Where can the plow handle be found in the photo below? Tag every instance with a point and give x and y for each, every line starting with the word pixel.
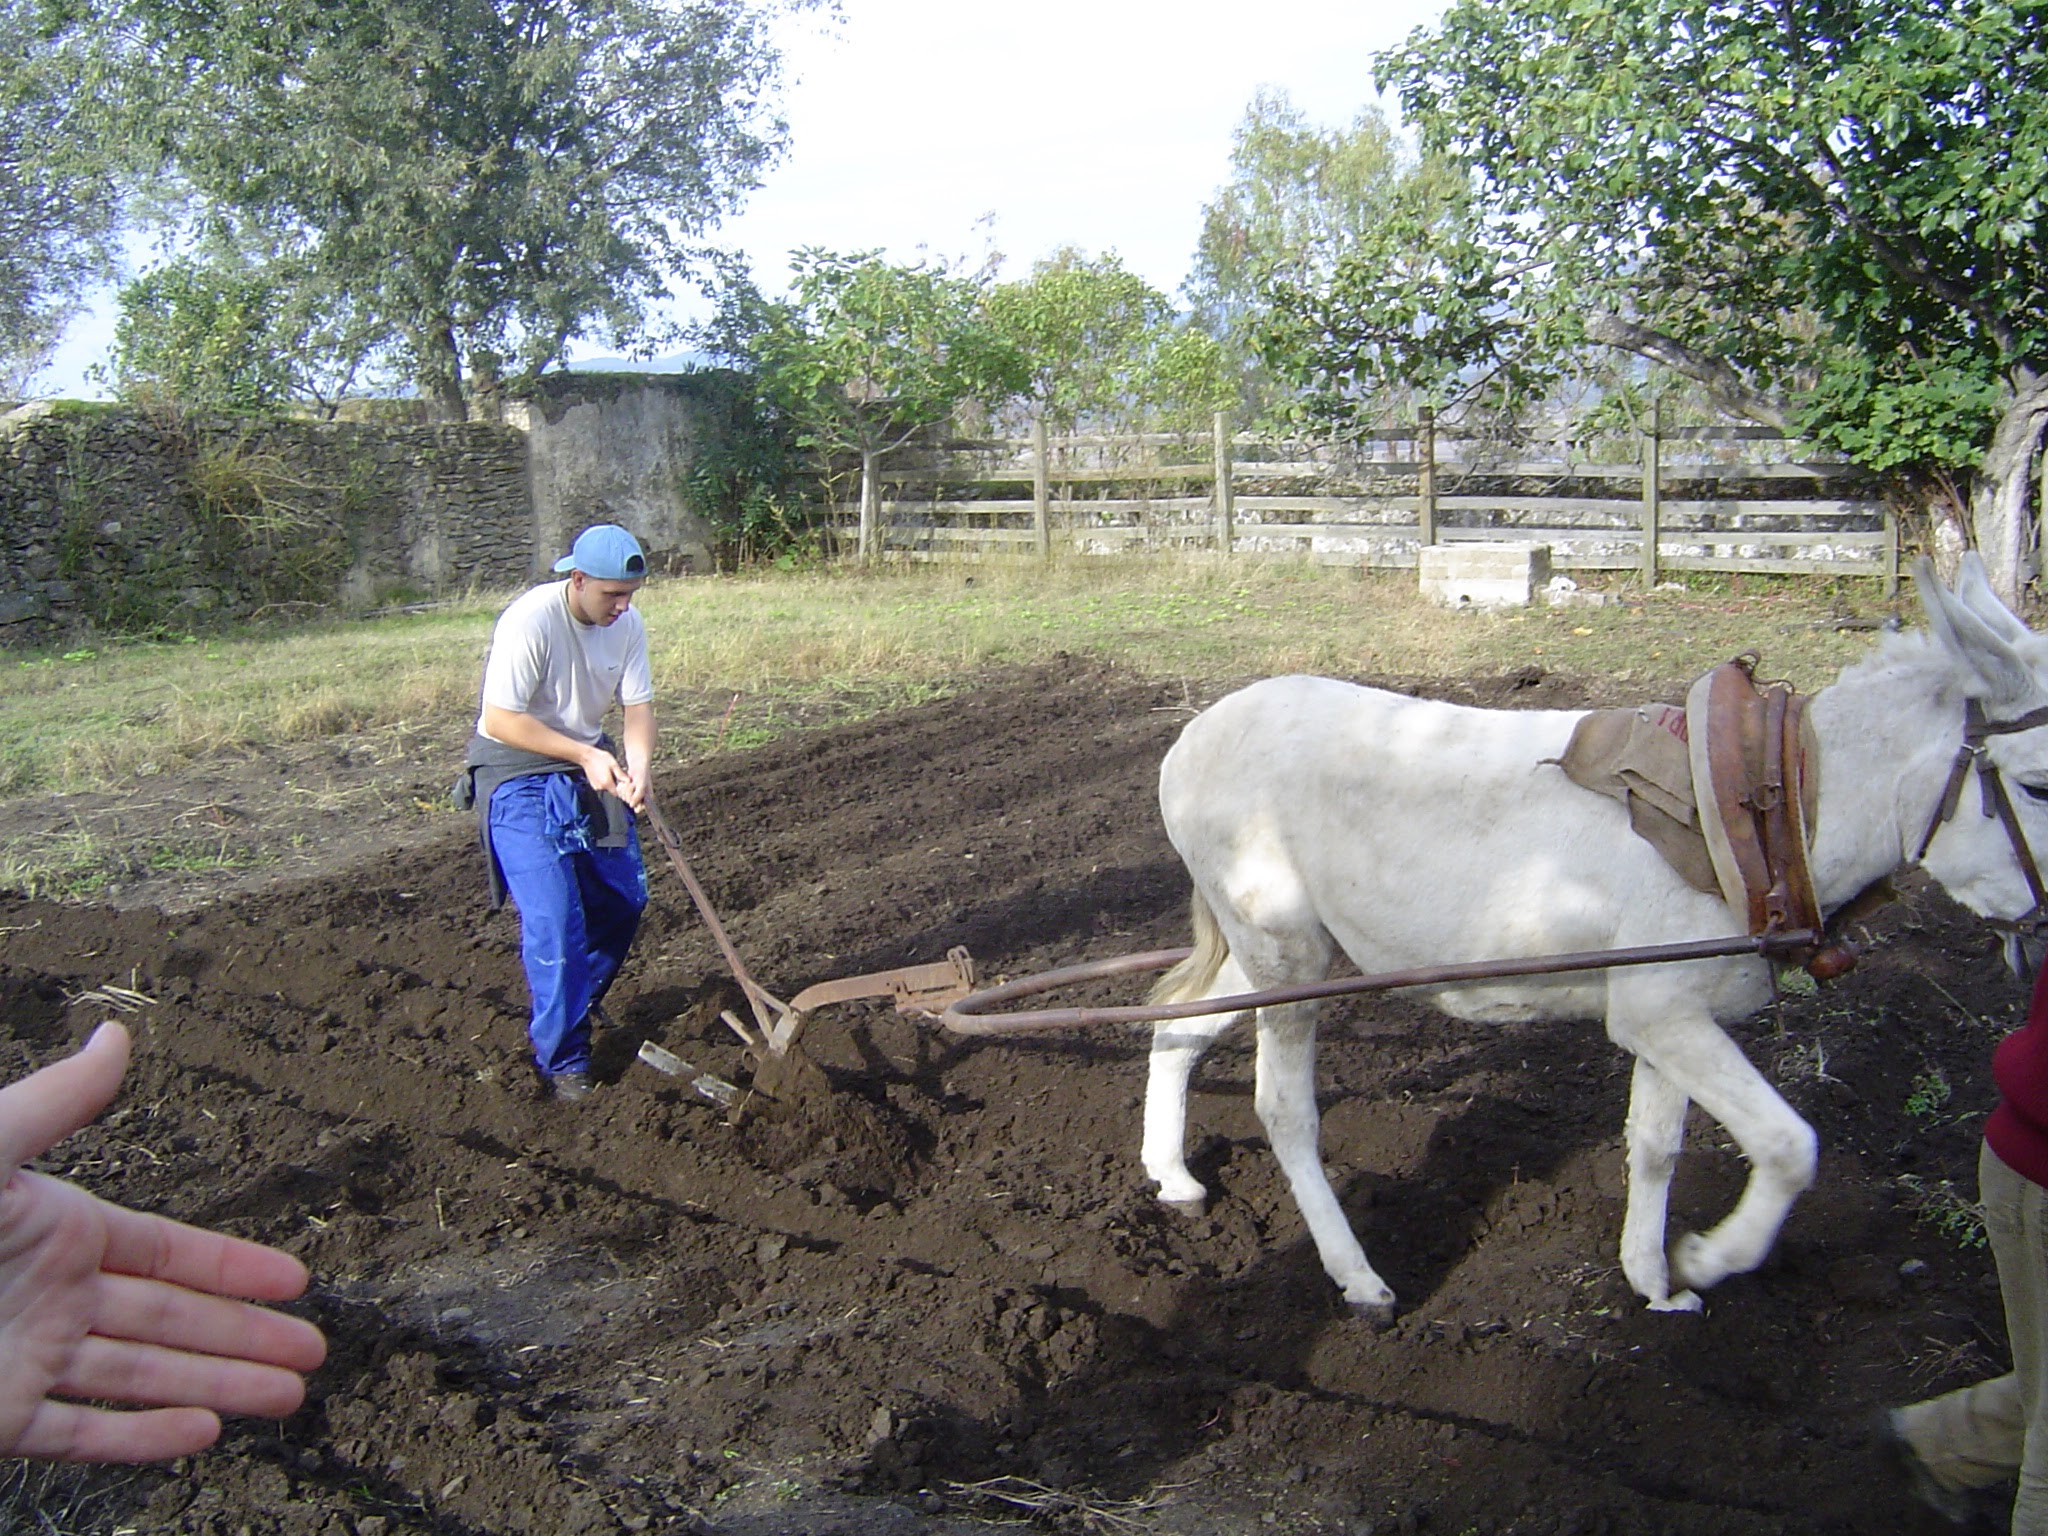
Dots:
pixel 767 1007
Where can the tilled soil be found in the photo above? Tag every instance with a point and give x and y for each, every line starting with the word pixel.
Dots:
pixel 941 1294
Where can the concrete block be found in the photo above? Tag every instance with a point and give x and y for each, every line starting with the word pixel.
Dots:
pixel 1484 575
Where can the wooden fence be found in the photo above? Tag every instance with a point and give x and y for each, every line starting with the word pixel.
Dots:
pixel 1681 499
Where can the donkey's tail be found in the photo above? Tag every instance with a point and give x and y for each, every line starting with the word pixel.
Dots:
pixel 1193 977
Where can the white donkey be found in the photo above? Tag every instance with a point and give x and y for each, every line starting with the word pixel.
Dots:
pixel 1315 816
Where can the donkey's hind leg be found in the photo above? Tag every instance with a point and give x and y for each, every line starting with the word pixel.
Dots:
pixel 1177 1044
pixel 1286 1103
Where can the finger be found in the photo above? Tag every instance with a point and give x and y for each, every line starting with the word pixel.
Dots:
pixel 157 1248
pixel 72 1432
pixel 43 1108
pixel 122 1371
pixel 152 1312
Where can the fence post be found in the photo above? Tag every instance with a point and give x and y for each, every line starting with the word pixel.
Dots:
pixel 1041 491
pixel 871 534
pixel 1226 501
pixel 1891 552
pixel 1653 488
pixel 1425 512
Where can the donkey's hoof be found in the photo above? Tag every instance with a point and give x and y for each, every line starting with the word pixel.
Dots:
pixel 1377 1315
pixel 1194 1205
pixel 1679 1301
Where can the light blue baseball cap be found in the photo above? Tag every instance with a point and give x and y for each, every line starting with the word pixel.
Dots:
pixel 606 552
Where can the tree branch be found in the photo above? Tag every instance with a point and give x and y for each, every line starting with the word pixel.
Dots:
pixel 1727 387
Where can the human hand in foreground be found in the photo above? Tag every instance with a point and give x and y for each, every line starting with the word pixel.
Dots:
pixel 101 1302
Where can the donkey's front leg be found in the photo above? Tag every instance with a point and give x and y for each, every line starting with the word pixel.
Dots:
pixel 1699 1060
pixel 1783 1154
pixel 1654 1133
pixel 1286 1104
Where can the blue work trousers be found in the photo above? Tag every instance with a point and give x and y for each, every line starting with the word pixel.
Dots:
pixel 579 907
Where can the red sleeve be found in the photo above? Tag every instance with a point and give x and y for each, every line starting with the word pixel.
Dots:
pixel 2018 1127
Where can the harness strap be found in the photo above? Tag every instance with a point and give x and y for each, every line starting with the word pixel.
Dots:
pixel 1751 780
pixel 1973 754
pixel 1952 793
pixel 2001 803
pixel 1791 901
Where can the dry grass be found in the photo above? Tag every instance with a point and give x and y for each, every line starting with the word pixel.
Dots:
pixel 98 717
pixel 1204 618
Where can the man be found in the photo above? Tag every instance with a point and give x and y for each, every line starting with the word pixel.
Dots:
pixel 555 801
pixel 1993 1431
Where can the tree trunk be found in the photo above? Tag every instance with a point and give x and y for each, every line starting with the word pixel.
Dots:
pixel 440 372
pixel 2001 501
pixel 870 499
pixel 1949 535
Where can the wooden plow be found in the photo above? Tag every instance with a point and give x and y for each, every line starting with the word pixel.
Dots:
pixel 771 1039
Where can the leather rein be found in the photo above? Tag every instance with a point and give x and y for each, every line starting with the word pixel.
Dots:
pixel 1974 753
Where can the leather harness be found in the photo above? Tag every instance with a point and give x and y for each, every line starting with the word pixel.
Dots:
pixel 1755 769
pixel 1755 782
pixel 1974 753
pixel 1754 791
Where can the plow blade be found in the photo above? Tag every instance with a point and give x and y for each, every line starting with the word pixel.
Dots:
pixel 916 988
pixel 712 1087
pixel 924 989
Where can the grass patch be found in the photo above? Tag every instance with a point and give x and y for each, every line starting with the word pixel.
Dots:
pixel 1201 618
pixel 76 865
pixel 122 710
pixel 198 859
pixel 68 866
pixel 1940 1205
pixel 839 644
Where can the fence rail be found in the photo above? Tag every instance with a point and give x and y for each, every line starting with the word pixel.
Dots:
pixel 1691 499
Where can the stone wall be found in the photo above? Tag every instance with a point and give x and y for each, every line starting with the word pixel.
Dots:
pixel 119 519
pixel 136 521
pixel 617 448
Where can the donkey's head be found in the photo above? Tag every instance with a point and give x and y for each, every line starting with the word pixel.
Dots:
pixel 1991 831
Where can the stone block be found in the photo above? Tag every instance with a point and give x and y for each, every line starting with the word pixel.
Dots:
pixel 1484 575
pixel 21 607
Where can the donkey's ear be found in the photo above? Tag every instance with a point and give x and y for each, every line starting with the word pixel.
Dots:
pixel 1988 653
pixel 1973 587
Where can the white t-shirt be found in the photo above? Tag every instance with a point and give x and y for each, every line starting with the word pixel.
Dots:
pixel 564 673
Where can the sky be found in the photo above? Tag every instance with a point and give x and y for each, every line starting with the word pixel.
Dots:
pixel 945 128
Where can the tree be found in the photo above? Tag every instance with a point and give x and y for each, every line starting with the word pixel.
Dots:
pixel 863 354
pixel 1812 209
pixel 59 205
pixel 1104 346
pixel 1299 196
pixel 1185 382
pixel 226 335
pixel 1081 325
pixel 1419 301
pixel 467 175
